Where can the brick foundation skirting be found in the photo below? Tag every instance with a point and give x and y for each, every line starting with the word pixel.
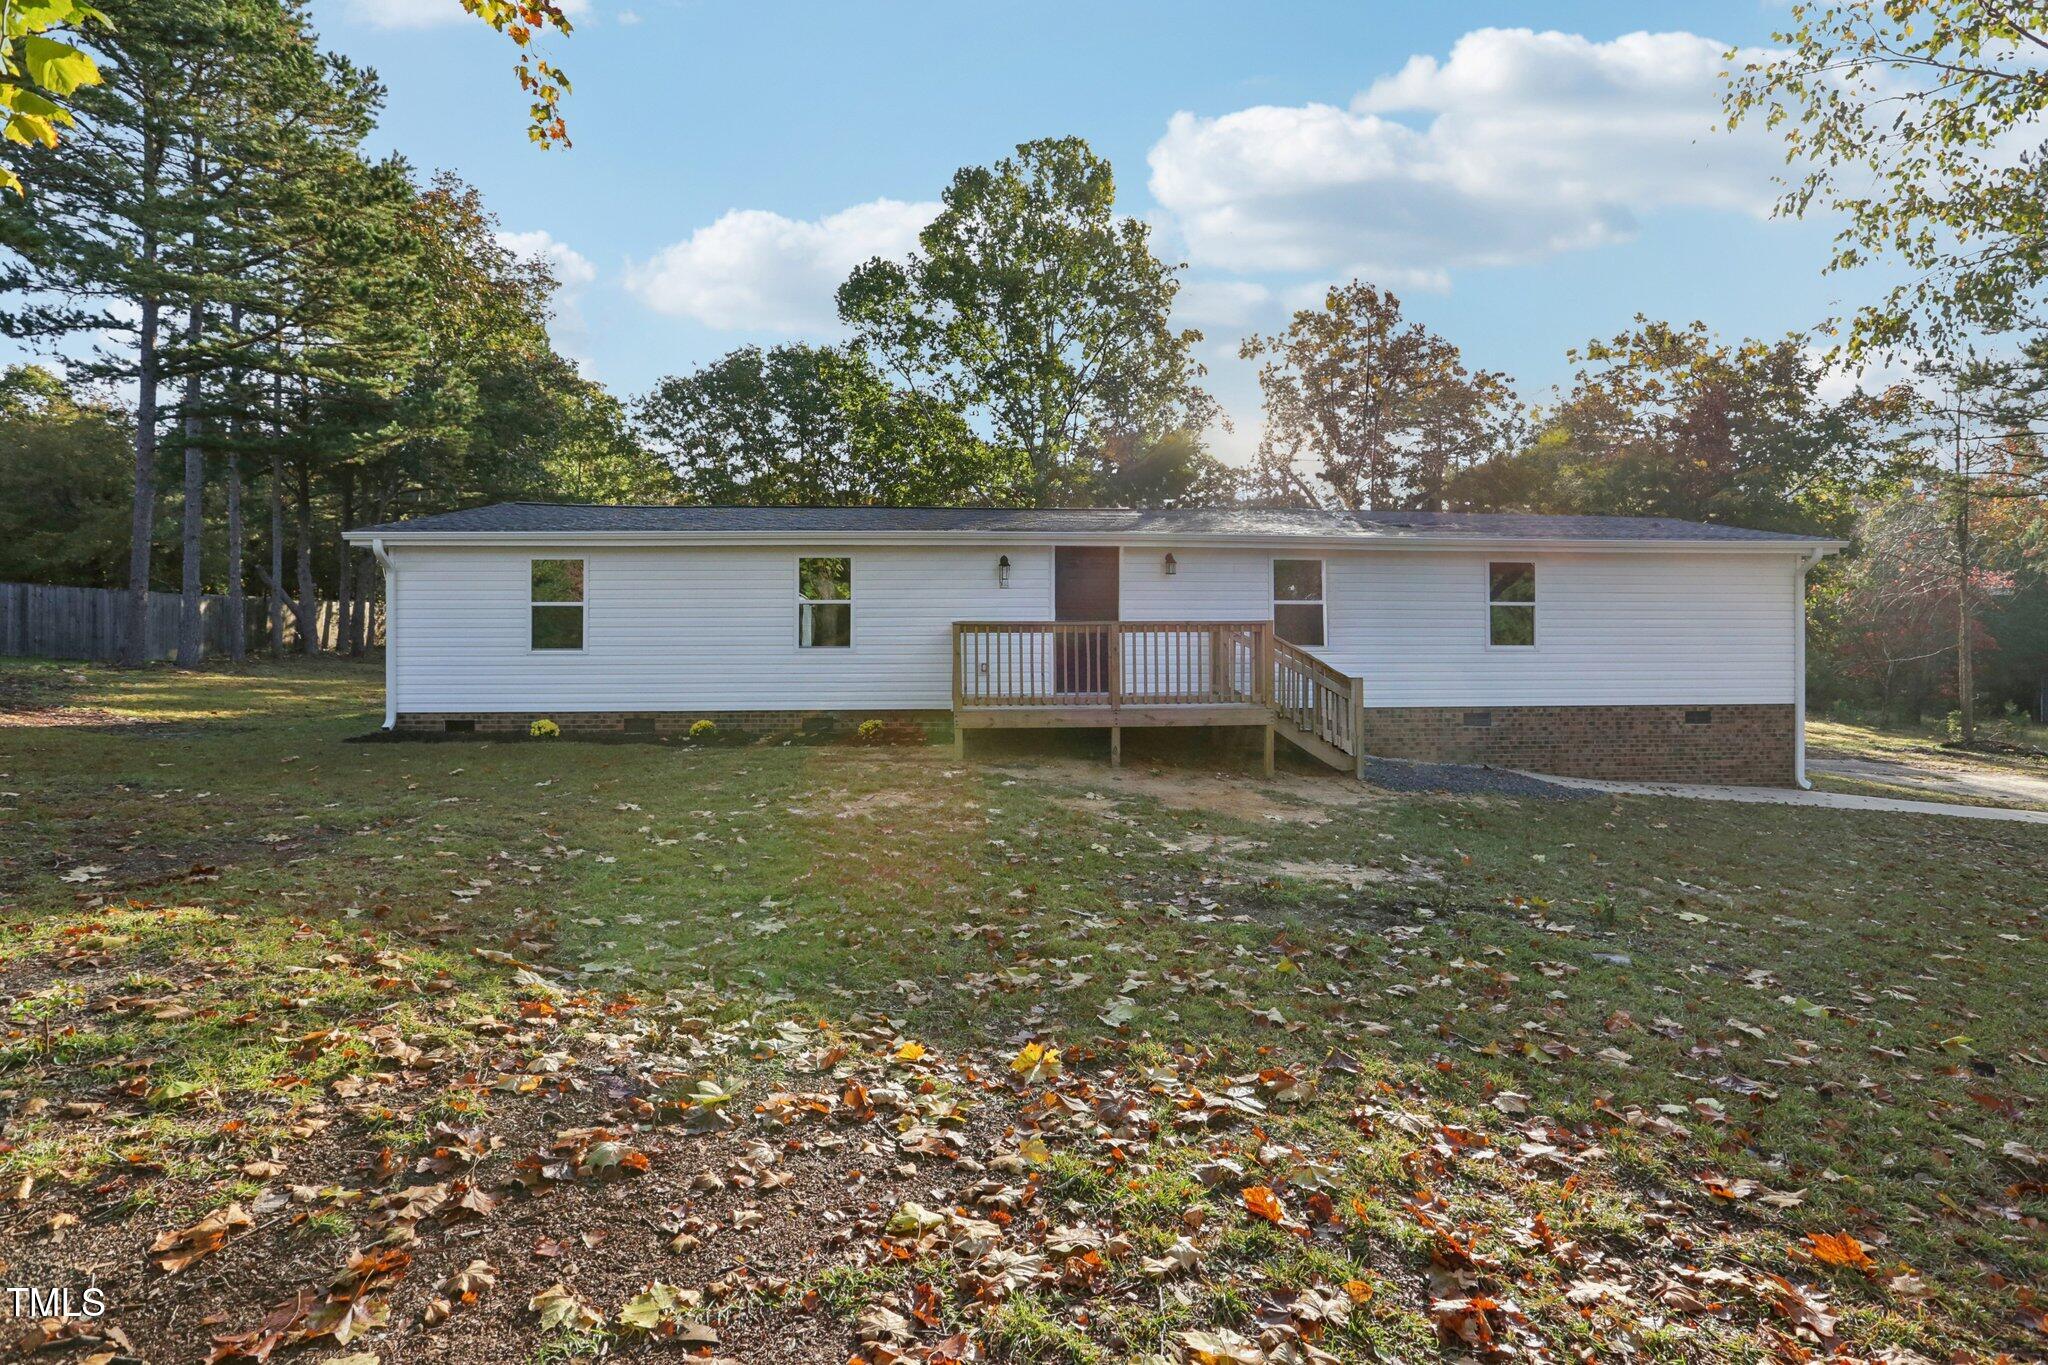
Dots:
pixel 897 725
pixel 1744 745
pixel 1748 746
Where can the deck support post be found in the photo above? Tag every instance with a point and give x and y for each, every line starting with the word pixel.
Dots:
pixel 959 740
pixel 1358 728
pixel 1116 746
pixel 1268 760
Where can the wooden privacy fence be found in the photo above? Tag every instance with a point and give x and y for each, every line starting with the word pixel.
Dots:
pixel 41 621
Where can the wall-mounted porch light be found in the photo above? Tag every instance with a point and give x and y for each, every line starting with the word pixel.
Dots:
pixel 1003 572
pixel 1172 565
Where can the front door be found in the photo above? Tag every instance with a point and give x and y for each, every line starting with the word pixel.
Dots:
pixel 1085 587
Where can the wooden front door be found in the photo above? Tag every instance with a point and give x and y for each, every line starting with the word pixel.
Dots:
pixel 1085 587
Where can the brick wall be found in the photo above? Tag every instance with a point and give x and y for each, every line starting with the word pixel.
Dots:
pixel 898 725
pixel 1743 745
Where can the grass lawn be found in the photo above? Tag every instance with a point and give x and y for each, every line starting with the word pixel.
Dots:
pixel 1983 776
pixel 544 1051
pixel 1848 739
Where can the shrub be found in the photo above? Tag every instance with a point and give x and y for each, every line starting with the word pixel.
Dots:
pixel 870 731
pixel 703 728
pixel 544 729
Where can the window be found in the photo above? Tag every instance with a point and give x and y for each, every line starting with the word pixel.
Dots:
pixel 824 603
pixel 557 604
pixel 1511 605
pixel 1298 601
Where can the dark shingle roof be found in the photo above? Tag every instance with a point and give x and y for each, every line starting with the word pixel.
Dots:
pixel 538 518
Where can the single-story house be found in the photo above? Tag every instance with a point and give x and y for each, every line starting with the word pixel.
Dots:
pixel 1597 646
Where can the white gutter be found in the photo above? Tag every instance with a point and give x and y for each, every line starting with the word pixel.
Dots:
pixel 1800 569
pixel 1127 538
pixel 390 632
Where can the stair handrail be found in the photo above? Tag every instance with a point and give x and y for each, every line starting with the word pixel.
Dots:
pixel 1318 699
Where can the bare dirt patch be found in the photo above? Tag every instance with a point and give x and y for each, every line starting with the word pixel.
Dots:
pixel 1356 877
pixel 1284 799
pixel 876 802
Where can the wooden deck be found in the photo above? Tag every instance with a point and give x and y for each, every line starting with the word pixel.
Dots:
pixel 1117 674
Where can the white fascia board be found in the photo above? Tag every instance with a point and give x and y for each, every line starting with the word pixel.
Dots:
pixel 1272 544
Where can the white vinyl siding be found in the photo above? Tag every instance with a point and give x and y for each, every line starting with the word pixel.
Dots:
pixel 1656 628
pixel 709 628
pixel 693 629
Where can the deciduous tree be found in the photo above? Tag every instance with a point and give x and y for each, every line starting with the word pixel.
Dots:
pixel 1032 308
pixel 1918 125
pixel 816 425
pixel 1380 411
pixel 1667 421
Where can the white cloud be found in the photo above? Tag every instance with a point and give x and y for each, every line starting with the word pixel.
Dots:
pixel 1839 378
pixel 574 273
pixel 1517 146
pixel 429 13
pixel 753 270
pixel 572 268
pixel 1221 303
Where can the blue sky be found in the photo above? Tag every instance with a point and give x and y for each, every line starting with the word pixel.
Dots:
pixel 1526 176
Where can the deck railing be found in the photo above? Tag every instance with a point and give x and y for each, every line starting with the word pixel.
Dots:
pixel 1318 699
pixel 1116 664
pixel 1112 663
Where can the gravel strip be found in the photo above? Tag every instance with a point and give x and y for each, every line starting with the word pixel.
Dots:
pixel 1464 780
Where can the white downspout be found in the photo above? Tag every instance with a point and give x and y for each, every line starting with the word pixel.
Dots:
pixel 390 633
pixel 1804 565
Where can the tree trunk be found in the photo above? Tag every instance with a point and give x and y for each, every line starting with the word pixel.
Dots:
pixel 366 587
pixel 276 554
pixel 309 595
pixel 191 636
pixel 238 605
pixel 344 595
pixel 1966 663
pixel 142 518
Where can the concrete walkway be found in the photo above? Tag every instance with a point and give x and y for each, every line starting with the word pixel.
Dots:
pixel 1788 796
pixel 1998 784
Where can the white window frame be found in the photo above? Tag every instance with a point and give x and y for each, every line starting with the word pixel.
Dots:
pixel 1323 601
pixel 532 602
pixel 1534 606
pixel 852 615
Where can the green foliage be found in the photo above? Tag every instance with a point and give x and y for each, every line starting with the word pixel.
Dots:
pixel 1172 469
pixel 38 72
pixel 814 425
pixel 544 82
pixel 1916 124
pixel 64 472
pixel 359 340
pixel 1667 421
pixel 1036 312
pixel 1383 410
